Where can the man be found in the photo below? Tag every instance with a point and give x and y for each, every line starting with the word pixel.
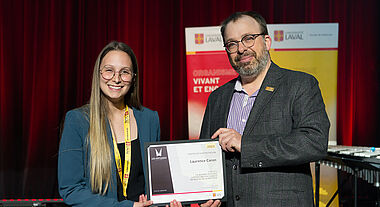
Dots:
pixel 271 122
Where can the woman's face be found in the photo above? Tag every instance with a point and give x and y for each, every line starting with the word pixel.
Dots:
pixel 116 75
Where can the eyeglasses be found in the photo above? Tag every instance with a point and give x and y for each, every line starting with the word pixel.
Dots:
pixel 124 74
pixel 247 41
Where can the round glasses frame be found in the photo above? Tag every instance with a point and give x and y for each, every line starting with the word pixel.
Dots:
pixel 109 74
pixel 247 40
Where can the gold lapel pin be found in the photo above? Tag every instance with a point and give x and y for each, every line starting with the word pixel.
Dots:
pixel 268 88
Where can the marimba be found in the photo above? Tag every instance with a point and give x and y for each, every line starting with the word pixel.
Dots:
pixel 360 162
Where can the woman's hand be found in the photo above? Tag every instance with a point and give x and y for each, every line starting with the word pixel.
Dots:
pixel 143 201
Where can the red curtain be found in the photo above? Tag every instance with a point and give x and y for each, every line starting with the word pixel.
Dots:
pixel 48 49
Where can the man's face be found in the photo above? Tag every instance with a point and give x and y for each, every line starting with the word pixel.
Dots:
pixel 247 61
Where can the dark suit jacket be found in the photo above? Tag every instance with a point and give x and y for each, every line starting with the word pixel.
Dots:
pixel 287 129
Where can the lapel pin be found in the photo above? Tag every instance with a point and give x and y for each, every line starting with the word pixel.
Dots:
pixel 268 88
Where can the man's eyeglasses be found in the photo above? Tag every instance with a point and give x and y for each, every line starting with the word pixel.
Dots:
pixel 124 74
pixel 247 41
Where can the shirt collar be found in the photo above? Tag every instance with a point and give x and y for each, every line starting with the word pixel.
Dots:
pixel 239 87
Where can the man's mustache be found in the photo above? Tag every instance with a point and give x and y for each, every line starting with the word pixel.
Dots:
pixel 250 53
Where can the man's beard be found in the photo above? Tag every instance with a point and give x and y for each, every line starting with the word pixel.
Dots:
pixel 254 68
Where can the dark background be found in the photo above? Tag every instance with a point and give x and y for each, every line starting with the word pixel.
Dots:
pixel 48 49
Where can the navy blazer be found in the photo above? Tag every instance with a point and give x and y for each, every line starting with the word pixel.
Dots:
pixel 287 129
pixel 73 158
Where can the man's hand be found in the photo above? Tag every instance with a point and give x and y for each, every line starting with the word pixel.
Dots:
pixel 174 203
pixel 209 203
pixel 212 203
pixel 143 201
pixel 229 139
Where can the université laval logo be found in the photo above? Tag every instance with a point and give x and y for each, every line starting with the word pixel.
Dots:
pixel 279 35
pixel 199 38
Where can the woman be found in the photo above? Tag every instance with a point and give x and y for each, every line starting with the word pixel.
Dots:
pixel 101 148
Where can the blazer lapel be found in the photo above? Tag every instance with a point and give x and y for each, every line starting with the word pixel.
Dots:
pixel 141 131
pixel 267 90
pixel 137 114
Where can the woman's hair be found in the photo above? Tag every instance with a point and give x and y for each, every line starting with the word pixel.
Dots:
pixel 100 156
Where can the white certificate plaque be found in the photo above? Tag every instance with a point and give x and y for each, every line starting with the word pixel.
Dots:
pixel 189 171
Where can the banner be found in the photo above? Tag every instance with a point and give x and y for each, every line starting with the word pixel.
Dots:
pixel 312 48
pixel 207 69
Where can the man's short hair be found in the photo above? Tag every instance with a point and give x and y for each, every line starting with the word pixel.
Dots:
pixel 237 15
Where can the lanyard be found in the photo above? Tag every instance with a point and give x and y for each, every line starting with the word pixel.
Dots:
pixel 127 162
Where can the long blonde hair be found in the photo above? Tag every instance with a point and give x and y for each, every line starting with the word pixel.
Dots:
pixel 100 148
